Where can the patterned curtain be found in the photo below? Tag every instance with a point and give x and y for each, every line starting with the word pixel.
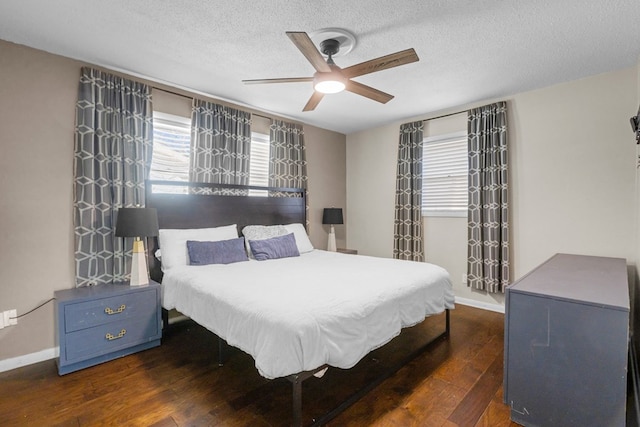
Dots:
pixel 220 145
pixel 113 148
pixel 408 217
pixel 287 159
pixel 488 257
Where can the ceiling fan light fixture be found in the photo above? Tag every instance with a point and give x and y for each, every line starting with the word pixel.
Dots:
pixel 328 82
pixel 329 78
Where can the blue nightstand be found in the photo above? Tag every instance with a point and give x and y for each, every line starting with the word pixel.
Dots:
pixel 100 323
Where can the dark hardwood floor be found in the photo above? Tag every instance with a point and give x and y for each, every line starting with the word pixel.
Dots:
pixel 456 382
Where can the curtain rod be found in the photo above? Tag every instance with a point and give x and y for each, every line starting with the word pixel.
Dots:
pixel 191 97
pixel 270 118
pixel 446 115
pixel 171 92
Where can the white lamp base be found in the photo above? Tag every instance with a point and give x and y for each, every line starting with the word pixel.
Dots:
pixel 331 244
pixel 139 274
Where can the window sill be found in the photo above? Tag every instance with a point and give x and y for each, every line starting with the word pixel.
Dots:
pixel 445 214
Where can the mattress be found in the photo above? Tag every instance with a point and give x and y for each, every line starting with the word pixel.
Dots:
pixel 298 314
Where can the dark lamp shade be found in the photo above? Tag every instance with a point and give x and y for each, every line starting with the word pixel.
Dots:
pixel 137 222
pixel 332 216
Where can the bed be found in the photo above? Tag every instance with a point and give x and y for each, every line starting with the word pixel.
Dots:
pixel 295 315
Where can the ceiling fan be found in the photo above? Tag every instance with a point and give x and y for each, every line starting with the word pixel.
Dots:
pixel 329 78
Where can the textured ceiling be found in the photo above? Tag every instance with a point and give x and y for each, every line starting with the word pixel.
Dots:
pixel 469 50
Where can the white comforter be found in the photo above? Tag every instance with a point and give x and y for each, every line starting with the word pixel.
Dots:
pixel 297 314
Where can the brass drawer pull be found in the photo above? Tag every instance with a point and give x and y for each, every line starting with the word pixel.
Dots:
pixel 110 311
pixel 115 337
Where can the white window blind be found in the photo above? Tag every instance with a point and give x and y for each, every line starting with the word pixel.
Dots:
pixel 259 163
pixel 445 170
pixel 171 146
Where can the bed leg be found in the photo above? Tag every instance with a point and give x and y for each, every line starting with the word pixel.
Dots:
pixel 448 324
pixel 221 344
pixel 297 400
pixel 165 319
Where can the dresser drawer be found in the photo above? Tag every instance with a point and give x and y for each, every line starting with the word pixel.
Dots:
pixel 108 338
pixel 102 311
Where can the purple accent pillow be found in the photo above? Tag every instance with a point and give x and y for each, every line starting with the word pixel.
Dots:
pixel 274 248
pixel 220 252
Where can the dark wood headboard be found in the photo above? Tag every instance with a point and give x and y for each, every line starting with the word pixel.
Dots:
pixel 189 210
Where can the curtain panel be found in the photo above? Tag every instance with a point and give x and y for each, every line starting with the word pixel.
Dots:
pixel 408 216
pixel 220 145
pixel 287 156
pixel 488 265
pixel 112 157
pixel 287 160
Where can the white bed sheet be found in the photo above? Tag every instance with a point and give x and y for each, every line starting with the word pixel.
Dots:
pixel 297 314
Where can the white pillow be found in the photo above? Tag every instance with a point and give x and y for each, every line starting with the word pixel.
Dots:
pixel 302 239
pixel 173 242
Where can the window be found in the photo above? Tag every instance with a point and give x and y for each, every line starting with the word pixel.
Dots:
pixel 445 170
pixel 171 146
pixel 259 163
pixel 171 149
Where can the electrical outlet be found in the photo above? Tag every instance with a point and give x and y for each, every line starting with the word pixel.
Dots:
pixel 13 317
pixel 9 318
pixel 5 317
pixel 464 278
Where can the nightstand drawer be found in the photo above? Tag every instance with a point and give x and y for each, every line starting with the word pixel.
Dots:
pixel 107 310
pixel 103 339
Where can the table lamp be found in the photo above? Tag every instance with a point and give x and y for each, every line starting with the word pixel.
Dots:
pixel 137 222
pixel 332 216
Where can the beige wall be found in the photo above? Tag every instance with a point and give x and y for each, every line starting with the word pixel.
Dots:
pixel 327 172
pixel 37 115
pixel 575 182
pixel 572 160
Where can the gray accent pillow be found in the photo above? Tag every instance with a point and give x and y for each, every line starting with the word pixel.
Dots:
pixel 261 232
pixel 274 248
pixel 220 252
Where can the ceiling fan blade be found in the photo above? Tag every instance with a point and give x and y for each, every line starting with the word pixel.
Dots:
pixel 309 50
pixel 313 101
pixel 384 62
pixel 283 80
pixel 368 92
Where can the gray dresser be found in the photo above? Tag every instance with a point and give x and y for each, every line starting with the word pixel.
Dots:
pixel 566 342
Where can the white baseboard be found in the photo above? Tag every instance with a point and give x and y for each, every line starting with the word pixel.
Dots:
pixel 498 308
pixel 29 359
